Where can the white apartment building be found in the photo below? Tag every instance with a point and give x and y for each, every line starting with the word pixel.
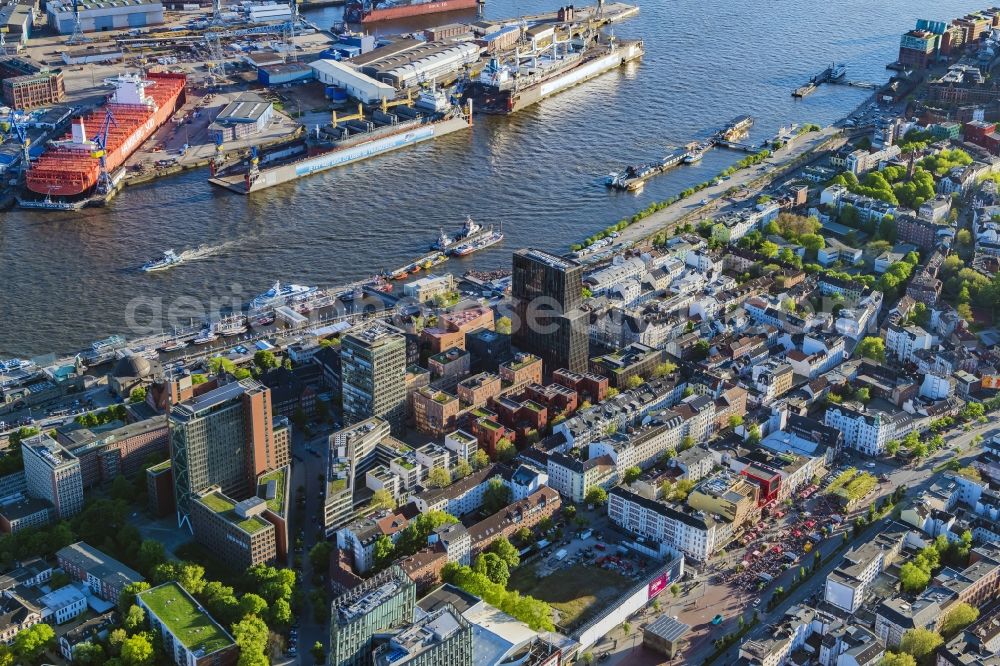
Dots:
pixel 678 529
pixel 902 342
pixel 867 430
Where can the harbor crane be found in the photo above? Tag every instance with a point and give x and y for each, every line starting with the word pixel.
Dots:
pixel 406 101
pixel 360 115
pixel 15 124
pixel 100 152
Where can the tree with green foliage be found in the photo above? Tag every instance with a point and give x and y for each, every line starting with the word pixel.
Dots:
pixel 735 421
pixel 635 381
pixel 912 578
pixel 265 360
pixel 505 550
pixel 318 653
pixel 192 577
pixel 151 553
pixel 137 395
pixel 89 653
pixel 252 604
pixel 127 597
pixel 319 556
pixel 251 637
pixel 897 659
pixel 664 369
pixel 382 500
pixel 675 590
pixel 281 613
pixel 958 618
pixel 872 348
pixel 385 551
pixel 30 643
pixel 414 537
pixel 137 650
pixel 632 473
pixel 134 619
pixel 536 614
pixel 596 496
pixel 461 470
pixel 438 477
pixel 496 496
pixel 479 460
pixel 490 565
pixel 920 644
pixel 503 325
pixel 505 450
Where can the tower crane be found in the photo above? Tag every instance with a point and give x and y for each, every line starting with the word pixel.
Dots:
pixel 100 152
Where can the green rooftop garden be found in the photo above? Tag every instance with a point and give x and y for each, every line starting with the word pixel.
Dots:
pixel 442 397
pixel 225 507
pixel 277 504
pixel 336 485
pixel 404 463
pixel 160 467
pixel 533 406
pixel 181 615
pixel 528 360
pixel 489 425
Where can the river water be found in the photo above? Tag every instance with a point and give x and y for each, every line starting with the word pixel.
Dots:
pixel 68 279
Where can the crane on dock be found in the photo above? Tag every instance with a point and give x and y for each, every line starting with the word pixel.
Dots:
pixel 386 105
pixel 360 115
pixel 100 153
pixel 15 124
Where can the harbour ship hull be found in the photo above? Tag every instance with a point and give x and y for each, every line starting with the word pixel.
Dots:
pixel 69 170
pixel 501 102
pixel 342 155
pixel 357 13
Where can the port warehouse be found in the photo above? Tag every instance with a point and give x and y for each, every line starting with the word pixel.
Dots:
pixel 18 18
pixel 245 115
pixel 101 15
pixel 26 86
pixel 363 88
pixel 376 75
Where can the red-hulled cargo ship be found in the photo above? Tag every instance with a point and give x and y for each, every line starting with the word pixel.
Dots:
pixel 139 105
pixel 370 11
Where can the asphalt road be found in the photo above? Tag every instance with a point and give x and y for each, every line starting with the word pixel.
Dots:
pixel 305 472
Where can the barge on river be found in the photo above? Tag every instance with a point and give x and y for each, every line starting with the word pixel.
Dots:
pixel 347 140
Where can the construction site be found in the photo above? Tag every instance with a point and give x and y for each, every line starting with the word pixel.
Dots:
pixel 255 75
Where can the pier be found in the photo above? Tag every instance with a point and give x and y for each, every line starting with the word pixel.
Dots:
pixel 633 178
pixel 832 74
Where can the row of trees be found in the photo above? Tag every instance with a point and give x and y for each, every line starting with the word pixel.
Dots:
pixel 533 612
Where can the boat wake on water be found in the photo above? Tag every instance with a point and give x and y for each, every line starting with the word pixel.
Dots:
pixel 203 251
pixel 171 258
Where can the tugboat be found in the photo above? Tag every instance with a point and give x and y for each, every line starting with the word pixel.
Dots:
pixel 480 243
pixel 169 259
pixel 694 156
pixel 469 229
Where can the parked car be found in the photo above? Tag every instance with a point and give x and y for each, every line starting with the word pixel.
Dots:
pixel 717 620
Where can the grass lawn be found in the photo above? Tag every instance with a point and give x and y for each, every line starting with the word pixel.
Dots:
pixel 575 592
pixel 179 612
